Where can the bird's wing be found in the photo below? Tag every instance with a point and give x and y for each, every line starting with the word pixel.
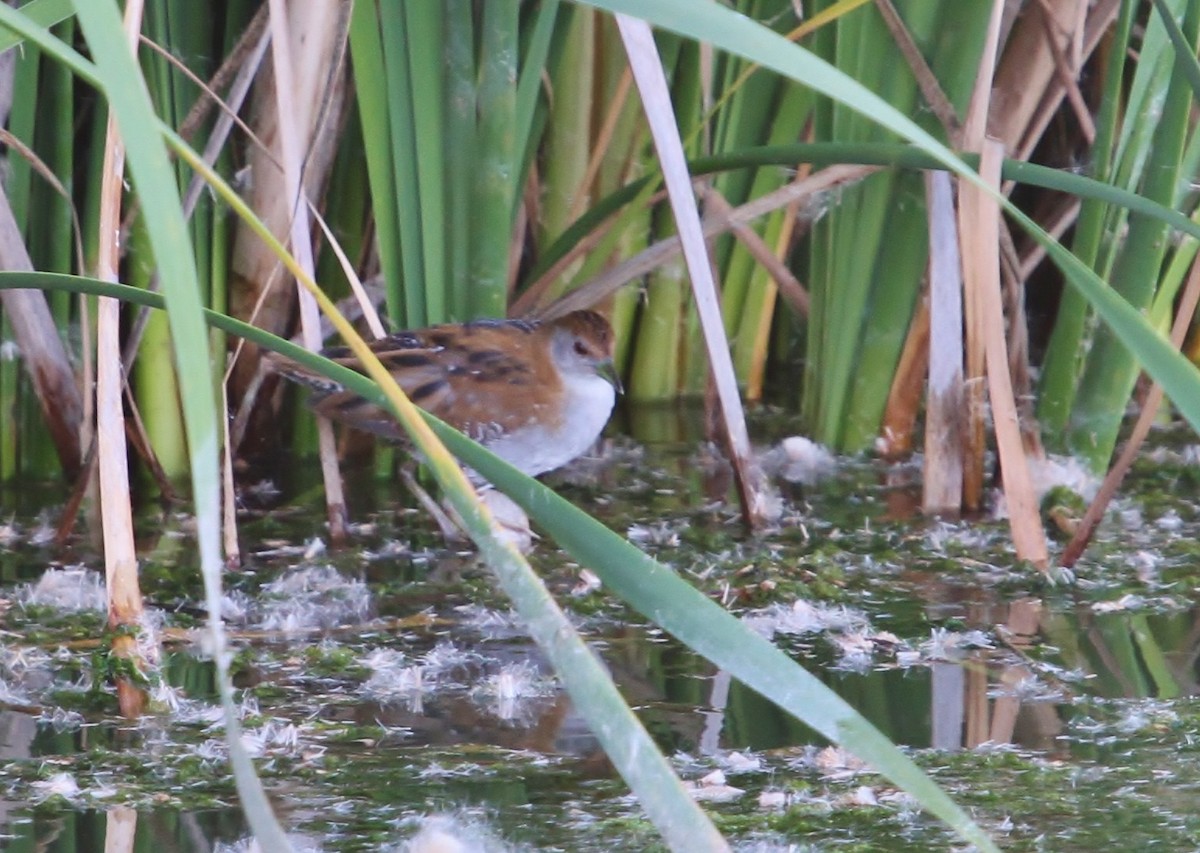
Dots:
pixel 466 375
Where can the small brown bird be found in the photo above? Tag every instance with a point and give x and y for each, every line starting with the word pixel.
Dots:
pixel 535 394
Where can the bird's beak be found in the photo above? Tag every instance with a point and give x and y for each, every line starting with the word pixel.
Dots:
pixel 608 370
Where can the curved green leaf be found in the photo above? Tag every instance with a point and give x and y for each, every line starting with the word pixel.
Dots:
pixel 650 587
pixel 120 79
pixel 43 13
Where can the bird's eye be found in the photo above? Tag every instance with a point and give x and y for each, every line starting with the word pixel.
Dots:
pixel 581 348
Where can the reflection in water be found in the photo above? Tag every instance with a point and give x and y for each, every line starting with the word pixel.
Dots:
pixel 1015 693
pixel 949 689
pixel 967 665
pixel 121 830
pixel 1040 724
pixel 954 696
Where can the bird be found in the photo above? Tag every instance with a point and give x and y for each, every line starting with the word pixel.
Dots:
pixel 535 393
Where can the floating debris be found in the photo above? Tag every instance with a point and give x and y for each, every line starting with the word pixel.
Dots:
pixel 311 597
pixel 799 460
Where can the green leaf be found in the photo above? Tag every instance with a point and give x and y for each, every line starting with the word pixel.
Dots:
pixel 43 13
pixel 117 73
pixel 654 590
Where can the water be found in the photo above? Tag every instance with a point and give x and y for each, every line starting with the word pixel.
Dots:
pixel 388 682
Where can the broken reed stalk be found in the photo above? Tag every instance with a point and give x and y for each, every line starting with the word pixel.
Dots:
pixel 42 350
pixel 656 101
pixel 790 288
pixel 942 491
pixel 120 554
pixel 979 215
pixel 972 139
pixel 290 136
pixel 904 398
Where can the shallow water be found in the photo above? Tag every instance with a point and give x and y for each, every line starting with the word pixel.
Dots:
pixel 387 681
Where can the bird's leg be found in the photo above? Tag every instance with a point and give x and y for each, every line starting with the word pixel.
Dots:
pixel 451 529
pixel 512 520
